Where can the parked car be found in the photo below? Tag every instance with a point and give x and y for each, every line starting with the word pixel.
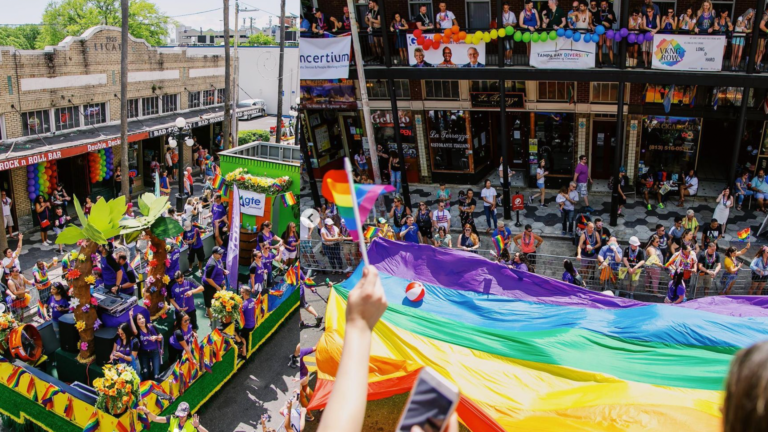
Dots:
pixel 253 103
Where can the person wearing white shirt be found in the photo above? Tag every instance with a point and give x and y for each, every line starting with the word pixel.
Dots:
pixel 331 236
pixel 488 194
pixel 501 172
pixel 690 187
pixel 11 258
pixel 445 19
pixel 441 217
pixel 7 202
pixel 508 19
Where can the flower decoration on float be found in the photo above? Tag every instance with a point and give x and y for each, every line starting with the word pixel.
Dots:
pixel 80 325
pixel 91 279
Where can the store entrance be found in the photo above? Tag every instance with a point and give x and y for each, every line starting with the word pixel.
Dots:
pixel 73 174
pixel 151 148
pixel 714 155
pixel 603 148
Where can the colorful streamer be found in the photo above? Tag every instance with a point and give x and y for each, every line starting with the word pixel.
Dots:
pixel 15 377
pixel 563 358
pixel 144 420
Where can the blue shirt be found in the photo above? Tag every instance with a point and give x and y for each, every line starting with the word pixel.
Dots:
pixel 411 235
pixel 505 234
pixel 609 255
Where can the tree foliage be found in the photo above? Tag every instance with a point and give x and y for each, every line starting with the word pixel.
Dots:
pixel 22 37
pixel 249 136
pixel 261 39
pixel 72 17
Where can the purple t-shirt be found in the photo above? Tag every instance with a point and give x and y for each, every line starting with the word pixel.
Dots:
pixel 145 343
pixel 303 370
pixel 675 292
pixel 582 173
pixel 53 304
pixel 249 313
pixel 178 291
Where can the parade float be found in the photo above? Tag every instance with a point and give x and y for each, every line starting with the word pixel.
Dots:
pixel 71 388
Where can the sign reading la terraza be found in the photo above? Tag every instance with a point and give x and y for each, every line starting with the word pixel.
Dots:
pixel 492 99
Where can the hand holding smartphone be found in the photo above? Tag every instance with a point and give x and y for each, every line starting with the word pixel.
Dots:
pixel 431 404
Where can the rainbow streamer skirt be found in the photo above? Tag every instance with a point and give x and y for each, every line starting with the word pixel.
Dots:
pixel 535 354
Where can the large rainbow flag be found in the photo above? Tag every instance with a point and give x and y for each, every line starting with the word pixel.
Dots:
pixel 535 354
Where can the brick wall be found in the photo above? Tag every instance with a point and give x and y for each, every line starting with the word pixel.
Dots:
pixel 582 92
pixel 20 195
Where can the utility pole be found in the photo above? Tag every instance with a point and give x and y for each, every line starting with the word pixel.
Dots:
pixel 227 80
pixel 251 18
pixel 237 76
pixel 364 94
pixel 125 189
pixel 279 127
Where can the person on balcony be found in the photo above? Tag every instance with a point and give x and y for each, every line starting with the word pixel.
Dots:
pixel 445 19
pixel 743 25
pixel 423 21
pixel 761 42
pixel 582 19
pixel 373 19
pixel 606 17
pixel 553 17
pixel 399 27
pixel 705 19
pixel 508 19
pixel 319 25
pixel 669 22
pixel 650 24
pixel 529 21
pixel 686 20
pixel 655 7
pixel 346 22
pixel 724 26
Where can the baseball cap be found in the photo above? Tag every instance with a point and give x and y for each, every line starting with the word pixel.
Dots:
pixel 217 250
pixel 328 221
pixel 634 241
pixel 622 169
pixel 382 220
pixel 182 410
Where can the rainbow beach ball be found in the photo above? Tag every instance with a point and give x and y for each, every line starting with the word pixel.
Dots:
pixel 415 291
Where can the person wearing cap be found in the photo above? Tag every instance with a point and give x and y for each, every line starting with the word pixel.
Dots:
pixel 128 280
pixel 248 311
pixel 331 236
pixel 213 278
pixel 622 184
pixel 708 265
pixel 182 291
pixel 634 259
pixel 385 231
pixel 179 421
pixel 194 242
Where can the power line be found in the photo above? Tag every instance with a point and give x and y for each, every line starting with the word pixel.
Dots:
pixel 196 13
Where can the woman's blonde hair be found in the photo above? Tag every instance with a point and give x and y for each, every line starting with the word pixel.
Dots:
pixel 701 9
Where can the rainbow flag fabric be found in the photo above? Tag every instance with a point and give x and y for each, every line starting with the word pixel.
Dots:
pixel 289 199
pixel 336 189
pixel 219 184
pixel 93 422
pixel 498 242
pixel 371 233
pixel 744 234
pixel 136 261
pixel 561 359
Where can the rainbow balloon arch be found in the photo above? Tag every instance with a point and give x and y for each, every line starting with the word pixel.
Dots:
pixel 42 179
pixel 101 165
pixel 456 35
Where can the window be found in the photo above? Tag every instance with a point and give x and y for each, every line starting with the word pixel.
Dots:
pixel 170 103
pixel 2 128
pixel 35 122
pixel 555 90
pixel 608 92
pixel 415 5
pixel 220 96
pixel 150 106
pixel 66 118
pixel 493 86
pixel 655 93
pixel 441 89
pixel 732 96
pixel 478 14
pixel 378 89
pixel 95 113
pixel 133 108
pixel 193 100
pixel 209 97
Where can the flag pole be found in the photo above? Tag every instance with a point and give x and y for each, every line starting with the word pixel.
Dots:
pixel 351 180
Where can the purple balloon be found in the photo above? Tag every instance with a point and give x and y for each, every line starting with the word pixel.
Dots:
pixel 31 189
pixel 624 32
pixel 632 38
pixel 617 37
pixel 32 196
pixel 30 175
pixel 609 34
pixel 648 37
pixel 30 168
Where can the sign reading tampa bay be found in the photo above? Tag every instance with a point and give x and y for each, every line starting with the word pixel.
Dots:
pixel 688 52
pixel 562 54
pixel 324 58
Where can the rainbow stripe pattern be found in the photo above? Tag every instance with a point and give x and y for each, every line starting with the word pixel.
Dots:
pixel 498 242
pixel 93 422
pixel 744 234
pixel 337 189
pixel 48 395
pixel 289 199
pixel 535 354
pixel 371 233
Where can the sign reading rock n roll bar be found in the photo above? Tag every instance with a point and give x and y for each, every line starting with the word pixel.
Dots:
pixel 515 101
pixel 65 152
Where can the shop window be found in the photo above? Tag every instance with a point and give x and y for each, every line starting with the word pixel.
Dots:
pixel 655 93
pixel 493 86
pixel 95 113
pixel 555 90
pixel 66 118
pixel 607 92
pixel 35 122
pixel 554 133
pixel 414 7
pixel 209 97
pixel 449 141
pixel 220 96
pixel 170 103
pixel 193 100
pixel 133 108
pixel 379 89
pixel 150 106
pixel 441 89
pixel 732 96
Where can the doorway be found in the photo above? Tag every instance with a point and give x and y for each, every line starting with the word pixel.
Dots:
pixel 73 175
pixel 603 148
pixel 713 160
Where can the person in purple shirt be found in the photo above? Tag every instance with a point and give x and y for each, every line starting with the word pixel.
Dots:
pixel 256 273
pixel 174 256
pixel 676 289
pixel 192 238
pixel 248 310
pixel 181 339
pixel 126 347
pixel 582 178
pixel 306 392
pixel 181 293
pixel 267 258
pixel 150 346
pixel 218 210
pixel 58 304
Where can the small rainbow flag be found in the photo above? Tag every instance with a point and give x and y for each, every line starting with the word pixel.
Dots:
pixel 289 199
pixel 50 392
pixel 498 241
pixel 338 190
pixel 15 377
pixel 93 422
pixel 218 182
pixel 291 278
pixel 69 409
pixel 371 232
pixel 135 261
pixel 120 427
pixel 144 420
pixel 145 389
pixel 32 389
pixel 744 234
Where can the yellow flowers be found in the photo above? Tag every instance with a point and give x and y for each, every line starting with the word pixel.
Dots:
pixel 80 326
pixel 166 279
pixel 167 248
pixel 266 185
pixel 90 279
pixel 81 257
pixel 119 386
pixel 226 304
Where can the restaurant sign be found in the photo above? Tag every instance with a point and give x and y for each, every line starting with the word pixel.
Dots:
pixel 513 100
pixel 197 123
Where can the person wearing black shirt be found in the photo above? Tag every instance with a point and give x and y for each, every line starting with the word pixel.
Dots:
pixel 711 233
pixel 319 24
pixel 554 17
pixel 634 259
pixel 383 163
pixel 708 265
pixel 605 17
pixel 422 20
pixel 603 232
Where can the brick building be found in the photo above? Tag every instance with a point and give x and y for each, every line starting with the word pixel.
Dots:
pixel 59 104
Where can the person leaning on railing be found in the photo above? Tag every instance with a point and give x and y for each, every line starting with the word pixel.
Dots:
pixel 759 268
pixel 731 268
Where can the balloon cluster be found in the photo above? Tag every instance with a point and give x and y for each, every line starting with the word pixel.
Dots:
pixel 454 35
pixel 42 179
pixel 101 163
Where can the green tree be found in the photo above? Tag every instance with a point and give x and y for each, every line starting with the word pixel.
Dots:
pixel 262 40
pixel 22 37
pixel 72 17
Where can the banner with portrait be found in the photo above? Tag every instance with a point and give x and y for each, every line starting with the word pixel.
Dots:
pixel 447 55
pixel 682 52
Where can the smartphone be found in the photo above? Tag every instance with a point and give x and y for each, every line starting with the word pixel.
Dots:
pixel 430 404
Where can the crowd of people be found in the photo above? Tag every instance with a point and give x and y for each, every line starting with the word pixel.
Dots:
pixel 584 16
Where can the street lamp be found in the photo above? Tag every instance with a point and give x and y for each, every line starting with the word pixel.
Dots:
pixel 181 123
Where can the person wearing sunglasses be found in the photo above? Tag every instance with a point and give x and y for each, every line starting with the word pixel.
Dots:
pixel 181 339
pixel 468 240
pixel 527 242
pixel 182 291
pixel 669 21
pixel 424 222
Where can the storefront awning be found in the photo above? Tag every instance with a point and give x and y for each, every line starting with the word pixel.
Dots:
pixel 20 153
